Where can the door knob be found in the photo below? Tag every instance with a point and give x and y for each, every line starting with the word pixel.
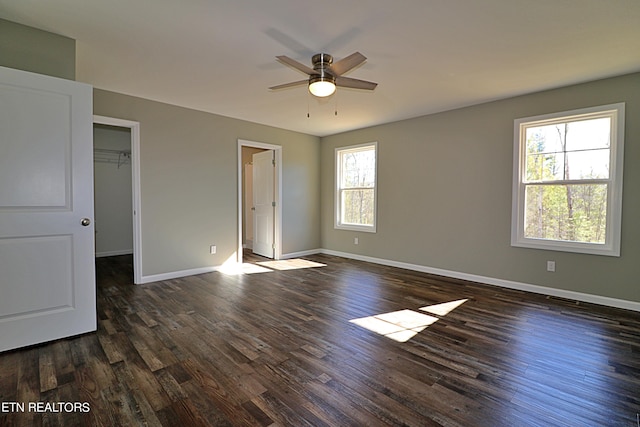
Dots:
pixel 85 222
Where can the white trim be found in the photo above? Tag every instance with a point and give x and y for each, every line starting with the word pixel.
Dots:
pixel 178 274
pixel 301 254
pixel 611 247
pixel 337 224
pixel 278 196
pixel 572 295
pixel 114 253
pixel 509 284
pixel 135 178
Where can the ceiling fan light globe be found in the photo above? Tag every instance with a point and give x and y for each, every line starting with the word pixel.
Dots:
pixel 322 88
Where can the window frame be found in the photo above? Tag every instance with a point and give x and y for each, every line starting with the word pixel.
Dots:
pixel 611 246
pixel 338 190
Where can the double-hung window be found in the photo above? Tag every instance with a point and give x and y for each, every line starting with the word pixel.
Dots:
pixel 356 187
pixel 567 189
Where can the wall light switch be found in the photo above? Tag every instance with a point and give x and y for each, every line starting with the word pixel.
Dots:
pixel 213 249
pixel 355 240
pixel 551 266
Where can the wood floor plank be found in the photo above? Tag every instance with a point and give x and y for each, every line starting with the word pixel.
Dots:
pixel 48 378
pixel 28 386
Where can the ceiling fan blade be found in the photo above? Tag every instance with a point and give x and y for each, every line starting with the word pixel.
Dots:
pixel 292 84
pixel 295 64
pixel 355 83
pixel 346 64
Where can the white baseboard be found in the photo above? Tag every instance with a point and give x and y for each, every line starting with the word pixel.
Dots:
pixel 114 253
pixel 544 290
pixel 301 253
pixel 577 296
pixel 177 274
pixel 202 270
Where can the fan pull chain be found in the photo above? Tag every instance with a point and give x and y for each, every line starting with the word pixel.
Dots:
pixel 308 96
pixel 335 98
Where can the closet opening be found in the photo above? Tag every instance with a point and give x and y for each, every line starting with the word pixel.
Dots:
pixel 116 191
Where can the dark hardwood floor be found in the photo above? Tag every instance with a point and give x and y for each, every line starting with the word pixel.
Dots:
pixel 279 348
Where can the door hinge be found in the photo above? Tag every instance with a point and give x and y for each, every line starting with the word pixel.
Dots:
pixel 273 162
pixel 273 204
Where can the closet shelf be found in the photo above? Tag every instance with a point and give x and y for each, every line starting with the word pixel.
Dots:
pixel 118 157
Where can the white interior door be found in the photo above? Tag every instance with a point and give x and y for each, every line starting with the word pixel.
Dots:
pixel 248 204
pixel 47 267
pixel 263 203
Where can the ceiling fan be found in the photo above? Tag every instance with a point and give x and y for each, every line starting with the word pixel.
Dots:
pixel 326 75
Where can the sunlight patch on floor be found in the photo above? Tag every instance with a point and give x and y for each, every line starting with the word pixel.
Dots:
pixel 234 269
pixel 444 308
pixel 403 325
pixel 290 264
pixel 400 325
pixel 244 268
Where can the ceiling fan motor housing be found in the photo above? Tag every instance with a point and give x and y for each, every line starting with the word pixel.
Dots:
pixel 321 62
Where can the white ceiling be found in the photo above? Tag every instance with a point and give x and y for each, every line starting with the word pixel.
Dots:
pixel 426 55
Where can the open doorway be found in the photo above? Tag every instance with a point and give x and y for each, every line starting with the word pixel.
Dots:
pixel 112 182
pixel 259 207
pixel 247 195
pixel 117 189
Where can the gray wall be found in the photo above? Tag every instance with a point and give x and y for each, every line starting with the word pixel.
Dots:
pixel 188 168
pixel 29 49
pixel 444 193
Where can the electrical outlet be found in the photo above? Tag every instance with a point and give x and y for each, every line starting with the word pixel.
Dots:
pixel 213 249
pixel 551 266
pixel 355 240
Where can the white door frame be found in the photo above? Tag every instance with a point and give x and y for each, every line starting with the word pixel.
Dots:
pixel 277 238
pixel 135 182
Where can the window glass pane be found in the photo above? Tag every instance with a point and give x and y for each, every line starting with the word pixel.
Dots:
pixel 544 167
pixel 544 139
pixel 591 164
pixel 357 206
pixel 569 136
pixel 589 134
pixel 575 213
pixel 570 150
pixel 358 168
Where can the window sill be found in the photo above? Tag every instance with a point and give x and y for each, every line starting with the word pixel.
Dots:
pixel 354 227
pixel 573 247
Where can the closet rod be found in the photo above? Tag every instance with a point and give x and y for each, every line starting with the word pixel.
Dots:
pixel 119 157
pixel 104 150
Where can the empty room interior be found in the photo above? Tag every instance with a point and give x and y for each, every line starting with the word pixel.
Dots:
pixel 192 235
